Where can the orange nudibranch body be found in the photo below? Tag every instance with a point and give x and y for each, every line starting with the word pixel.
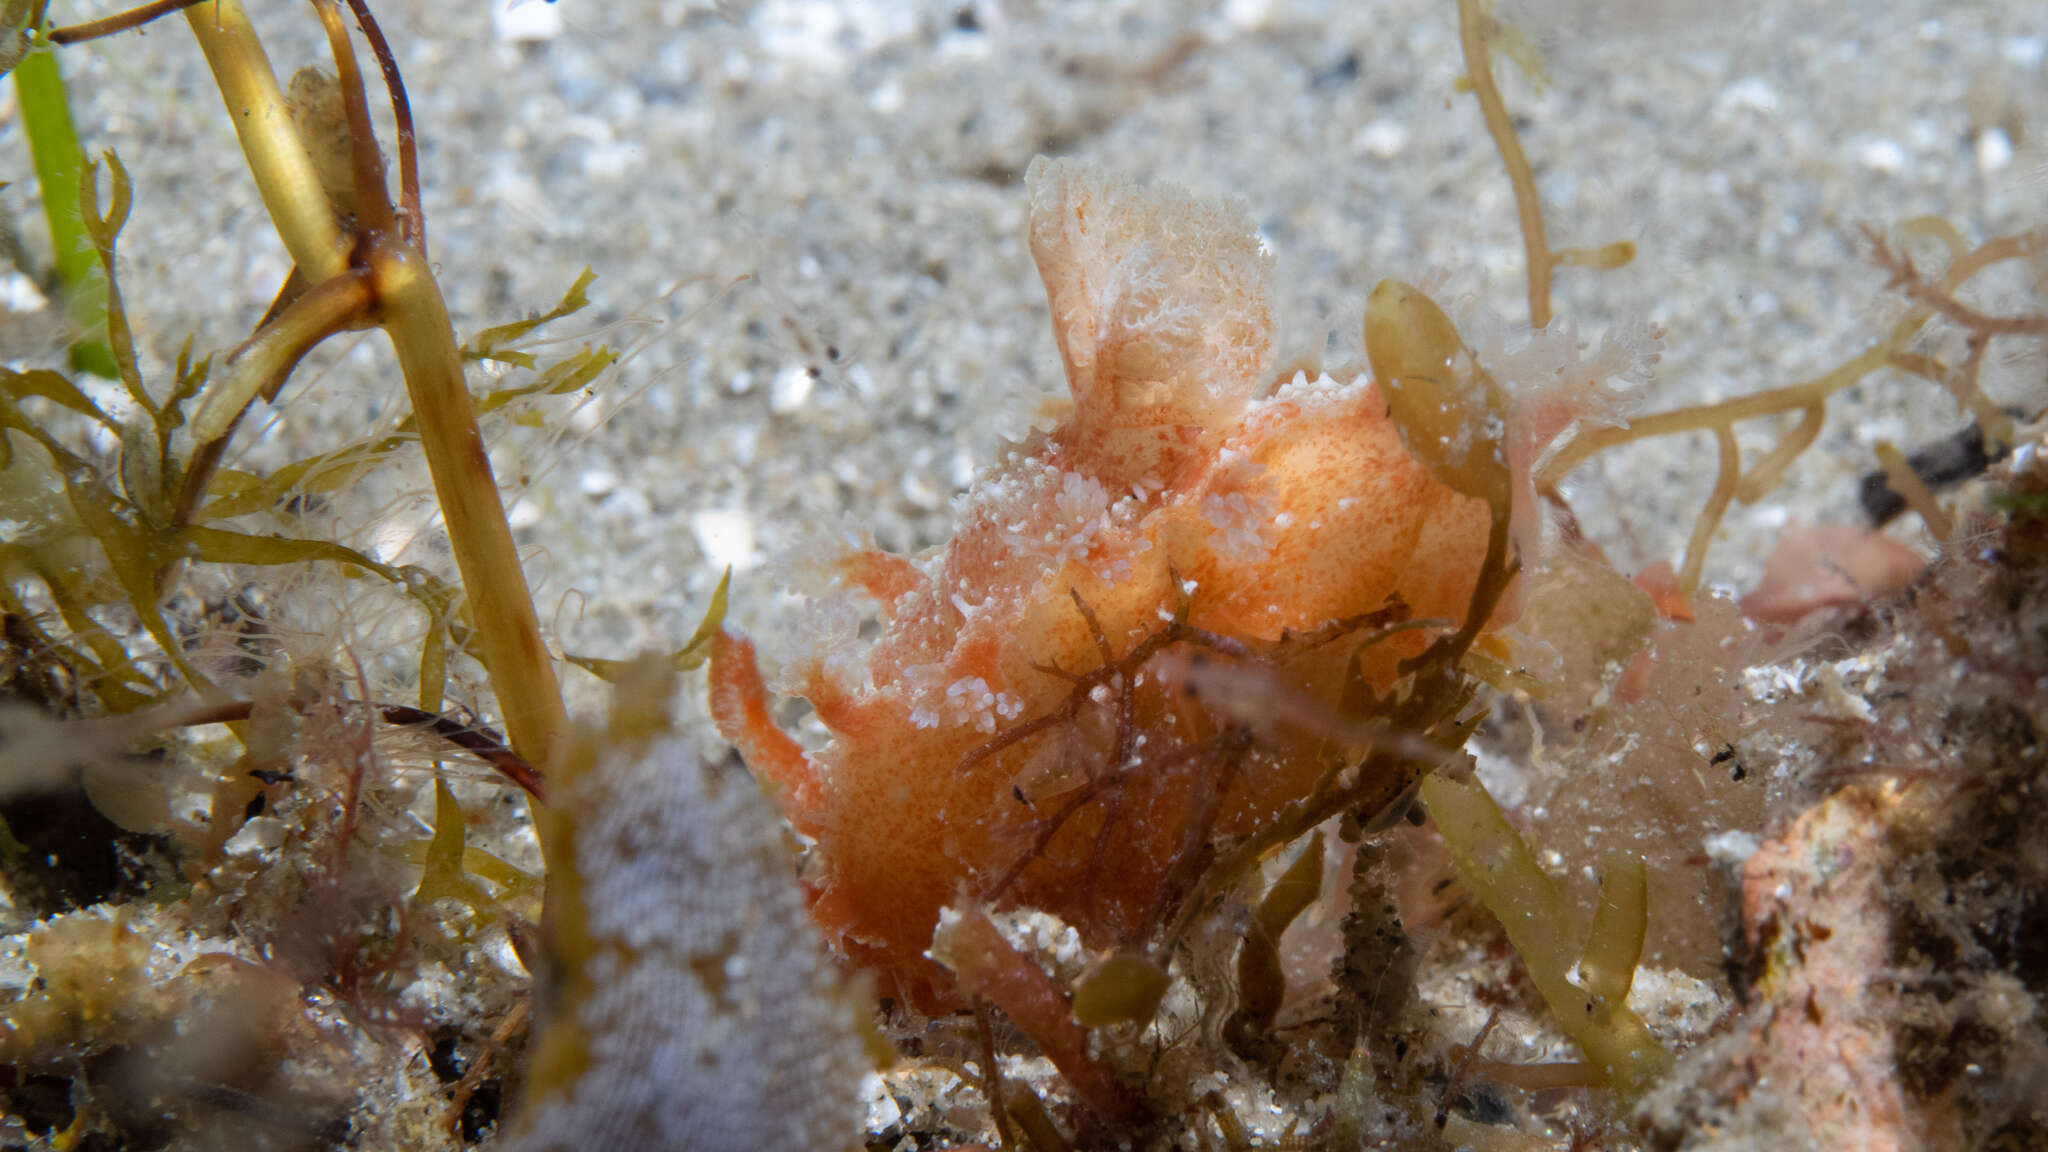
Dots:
pixel 1277 510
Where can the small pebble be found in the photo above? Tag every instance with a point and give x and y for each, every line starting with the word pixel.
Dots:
pixel 1881 154
pixel 1994 150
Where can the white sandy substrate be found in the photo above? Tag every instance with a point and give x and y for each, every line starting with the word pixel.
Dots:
pixel 806 217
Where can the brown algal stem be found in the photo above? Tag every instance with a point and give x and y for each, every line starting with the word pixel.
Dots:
pixel 277 158
pixel 405 299
pixel 1473 29
pixel 260 366
pixel 119 22
pixel 372 206
pixel 501 607
pixel 412 222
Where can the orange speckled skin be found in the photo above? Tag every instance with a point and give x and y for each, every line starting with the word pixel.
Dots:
pixel 1278 512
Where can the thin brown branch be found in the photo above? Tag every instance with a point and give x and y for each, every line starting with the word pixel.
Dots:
pixel 462 732
pixel 992 1075
pixel 1725 481
pixel 1394 611
pixel 1195 853
pixel 372 203
pixel 1899 473
pixel 1020 732
pixel 480 1068
pixel 475 739
pixel 1464 1069
pixel 1794 397
pixel 1102 784
pixel 1763 479
pixel 1962 383
pixel 1907 280
pixel 119 22
pixel 261 366
pixel 1476 27
pixel 1085 684
pixel 1542 1077
pixel 1094 627
pixel 414 223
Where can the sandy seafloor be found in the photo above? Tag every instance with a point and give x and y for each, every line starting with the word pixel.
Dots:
pixel 760 186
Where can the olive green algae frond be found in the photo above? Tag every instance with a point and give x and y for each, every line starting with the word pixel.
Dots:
pixel 1503 872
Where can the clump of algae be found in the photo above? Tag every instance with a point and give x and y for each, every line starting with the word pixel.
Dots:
pixel 190 654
